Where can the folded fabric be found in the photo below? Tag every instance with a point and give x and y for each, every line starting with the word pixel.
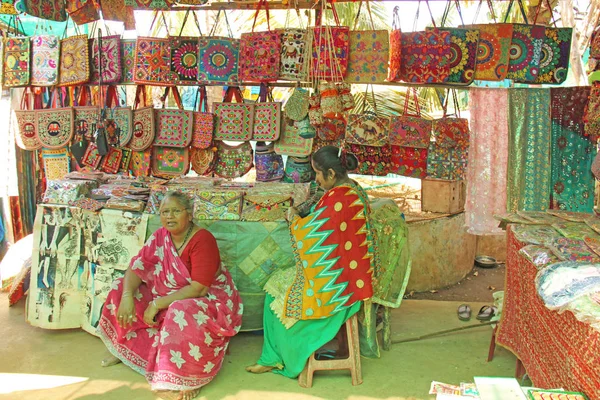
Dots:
pixel 560 283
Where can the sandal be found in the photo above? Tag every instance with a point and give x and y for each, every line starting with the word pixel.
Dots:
pixel 486 313
pixel 464 312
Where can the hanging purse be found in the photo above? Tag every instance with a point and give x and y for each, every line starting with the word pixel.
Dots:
pixel 331 102
pixel 332 128
pixel 110 53
pixel 410 130
pixel 233 162
pixel 372 160
pixel 259 52
pixel 143 124
pixel 298 170
pixel 184 54
pixel 234 121
pixel 116 10
pixel 127 60
pixel 16 62
pixel 368 54
pixel 330 48
pixel 45 53
pixel 268 164
pixel 83 11
pixel 140 162
pixel 296 107
pixel 292 55
pixel 315 113
pixel 55 126
pixel 451 132
pixel 152 59
pixel 203 160
pixel 91 158
pixel 204 122
pixel 263 207
pixel 290 142
pixel 217 205
pixel 112 161
pixel 267 117
pixel 368 128
pixel 56 163
pixel 218 57
pixel 27 124
pixel 395 59
pixel 74 60
pixel 53 10
pixel 174 127
pixel 409 161
pixel 170 162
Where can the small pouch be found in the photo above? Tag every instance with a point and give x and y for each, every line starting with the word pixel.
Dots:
pixel 91 158
pixel 170 162
pixel 120 203
pixel 265 207
pixel 233 162
pixel 88 204
pixel 140 162
pixel 112 161
pixel 296 107
pixel 216 205
pixel 268 164
pixel 203 160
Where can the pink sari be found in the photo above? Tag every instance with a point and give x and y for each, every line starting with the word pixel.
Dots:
pixel 185 349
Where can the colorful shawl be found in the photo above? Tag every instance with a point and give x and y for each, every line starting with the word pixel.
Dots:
pixel 335 255
pixel 185 349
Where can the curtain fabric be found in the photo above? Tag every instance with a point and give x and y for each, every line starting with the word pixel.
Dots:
pixel 488 154
pixel 528 178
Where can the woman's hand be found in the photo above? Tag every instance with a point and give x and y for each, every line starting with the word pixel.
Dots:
pixel 150 313
pixel 291 213
pixel 126 312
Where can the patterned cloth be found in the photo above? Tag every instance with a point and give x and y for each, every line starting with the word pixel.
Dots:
pixel 543 339
pixel 335 255
pixel 572 152
pixel 185 349
pixel 488 153
pixel 368 60
pixel 528 180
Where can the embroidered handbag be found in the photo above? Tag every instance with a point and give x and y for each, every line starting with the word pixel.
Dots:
pixel 112 161
pixel 27 129
pixel 233 162
pixel 592 112
pixel 220 205
pixel 296 107
pixel 319 143
pixel 143 129
pixel 346 97
pixel 595 44
pixel 173 127
pixel 83 11
pixel 218 58
pixel 268 164
pixel 409 161
pixel 290 142
pixel 462 59
pixel 127 60
pixel 16 61
pixel 298 170
pixel 140 162
pixel 331 45
pixel 425 56
pixel 7 7
pixel 265 207
pixel 315 113
pixel 451 132
pixel 305 129
pixel 556 51
pixel 267 121
pixel 202 130
pixel 74 61
pixel 332 128
pixel 446 162
pixel 91 158
pixel 152 62
pixel 368 56
pixel 331 102
pixel 55 127
pixel 203 160
pixel 372 160
pixel 56 163
pixel 234 121
pixel 119 126
pixel 184 59
pixel 395 58
pixel 125 160
pixel 150 4
pixel 292 54
pixel 367 128
pixel 493 51
pixel 53 10
pixel 116 10
pixel 410 130
pixel 86 119
pixel 170 162
pixel 110 54
pixel 45 54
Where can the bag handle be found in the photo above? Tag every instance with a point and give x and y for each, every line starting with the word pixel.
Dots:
pixel 396 18
pixel 521 7
pixel 112 97
pixel 233 91
pixel 175 91
pixel 217 19
pixel 550 10
pixel 407 101
pixel 140 94
pixel 266 93
pixel 490 6
pixel 430 14
pixel 201 93
pixel 451 92
pixel 185 18
pixel 261 3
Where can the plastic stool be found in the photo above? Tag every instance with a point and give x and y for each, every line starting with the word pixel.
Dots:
pixel 352 362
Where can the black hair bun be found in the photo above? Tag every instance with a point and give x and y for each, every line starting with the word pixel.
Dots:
pixel 351 162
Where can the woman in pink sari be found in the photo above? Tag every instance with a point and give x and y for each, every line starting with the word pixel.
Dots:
pixel 171 316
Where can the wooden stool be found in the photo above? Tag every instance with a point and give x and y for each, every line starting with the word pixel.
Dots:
pixel 352 362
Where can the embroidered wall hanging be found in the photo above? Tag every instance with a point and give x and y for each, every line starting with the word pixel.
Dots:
pixel 268 164
pixel 234 121
pixel 367 129
pixel 331 45
pixel 259 56
pixel 292 57
pixel 233 162
pixel 290 142
pixel 169 162
pixel 492 53
pixel 409 161
pixel 556 51
pixel 525 52
pixel 56 163
pixel 16 61
pixel 265 207
pixel 217 205
pixel 152 62
pixel 184 59
pixel 372 160
pixel 204 124
pixel 110 54
pixel 218 59
pixel 45 55
pixel 54 10
pixel 127 60
pixel 27 123
pixel 86 119
pixel 267 121
pixel 143 129
pixel 112 161
pixel 91 157
pixel 140 162
pixel 425 56
pixel 368 56
pixel 203 160
pixel 173 127
pixel 74 61
pixel 55 127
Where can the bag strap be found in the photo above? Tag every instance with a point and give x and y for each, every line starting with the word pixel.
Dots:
pixel 175 91
pixel 201 93
pixel 185 18
pixel 266 93
pixel 233 91
pixel 521 7
pixel 430 13
pixel 111 96
pixel 396 18
pixel 140 94
pixel 261 3
pixel 550 10
pixel 407 100
pixel 217 19
pixel 449 93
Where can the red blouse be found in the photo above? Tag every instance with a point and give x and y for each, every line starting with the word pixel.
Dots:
pixel 201 257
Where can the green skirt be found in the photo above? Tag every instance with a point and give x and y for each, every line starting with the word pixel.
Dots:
pixel 288 349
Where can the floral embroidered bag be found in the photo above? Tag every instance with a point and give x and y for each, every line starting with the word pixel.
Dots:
pixel 204 122
pixel 330 49
pixel 268 164
pixel 290 142
pixel 395 58
pixel 110 54
pixel 372 160
pixel 234 121
pixel 409 161
pixel 368 128
pixel 219 205
pixel 218 56
pixel 16 61
pixel 451 132
pixel 233 162
pixel 53 10
pixel 184 54
pixel 45 55
pixel 170 162
pixel 74 61
pixel 116 10
pixel 408 129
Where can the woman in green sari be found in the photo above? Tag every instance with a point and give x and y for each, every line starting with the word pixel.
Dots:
pixel 333 248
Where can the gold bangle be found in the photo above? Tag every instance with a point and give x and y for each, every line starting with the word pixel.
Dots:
pixel 128 292
pixel 154 304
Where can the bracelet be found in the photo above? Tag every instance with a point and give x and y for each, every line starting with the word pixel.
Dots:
pixel 127 292
pixel 154 304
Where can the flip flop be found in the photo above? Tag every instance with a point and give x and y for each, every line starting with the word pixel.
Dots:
pixel 486 313
pixel 464 312
pixel 325 354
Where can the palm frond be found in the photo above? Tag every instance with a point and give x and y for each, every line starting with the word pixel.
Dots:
pixel 388 102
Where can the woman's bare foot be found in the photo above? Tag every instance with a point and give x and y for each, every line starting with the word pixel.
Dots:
pixel 258 369
pixel 110 361
pixel 189 394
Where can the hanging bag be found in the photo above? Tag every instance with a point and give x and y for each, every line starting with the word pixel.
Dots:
pixel 74 59
pixel 128 61
pixel 290 142
pixel 152 59
pixel 174 127
pixel 111 163
pixel 330 48
pixel 293 64
pixel 233 161
pixel 26 123
pixel 83 11
pixel 110 56
pixel 45 56
pixel 394 74
pixel 368 128
pixel 408 129
pixel 17 61
pixel 268 164
pixel 234 121
pixel 143 124
pixel 372 160
pixel 267 117
pixel 184 54
pixel 204 123
pixel 296 107
pixel 53 10
pixel 203 160
pixel 55 125
pixel 556 52
pixel 219 56
pixel 170 162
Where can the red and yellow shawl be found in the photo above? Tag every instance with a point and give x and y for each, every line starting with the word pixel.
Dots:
pixel 334 252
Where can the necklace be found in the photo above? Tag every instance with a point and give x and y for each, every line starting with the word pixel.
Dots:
pixel 187 236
